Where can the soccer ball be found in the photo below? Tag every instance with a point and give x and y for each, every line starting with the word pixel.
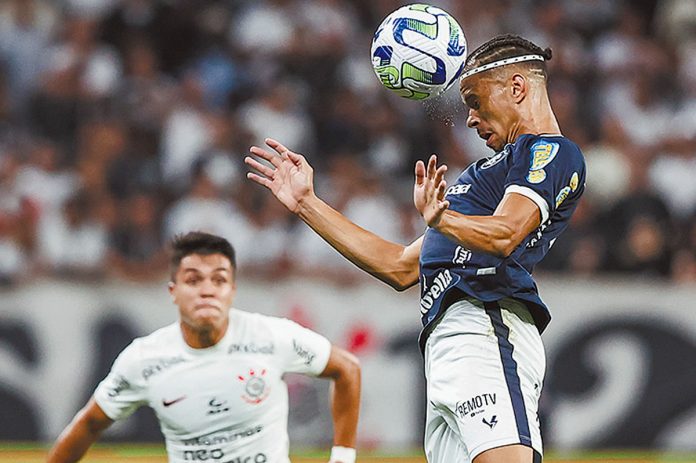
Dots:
pixel 418 51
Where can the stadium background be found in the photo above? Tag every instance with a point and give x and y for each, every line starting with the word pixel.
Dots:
pixel 123 122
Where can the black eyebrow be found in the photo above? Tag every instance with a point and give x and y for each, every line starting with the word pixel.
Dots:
pixel 223 269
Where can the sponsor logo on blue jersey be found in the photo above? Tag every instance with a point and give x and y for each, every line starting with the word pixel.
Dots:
pixel 543 153
pixel 440 283
pixel 493 160
pixel 572 186
pixel 460 189
pixel 461 255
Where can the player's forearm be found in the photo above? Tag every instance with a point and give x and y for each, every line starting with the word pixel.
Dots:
pixel 371 253
pixel 489 234
pixel 79 435
pixel 73 443
pixel 345 405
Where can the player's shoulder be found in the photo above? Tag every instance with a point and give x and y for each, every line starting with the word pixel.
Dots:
pixel 256 323
pixel 161 341
pixel 240 316
pixel 261 324
pixel 543 149
pixel 164 335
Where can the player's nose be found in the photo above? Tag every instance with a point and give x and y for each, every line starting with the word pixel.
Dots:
pixel 472 119
pixel 207 288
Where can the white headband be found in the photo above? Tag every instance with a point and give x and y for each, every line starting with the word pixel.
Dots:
pixel 502 62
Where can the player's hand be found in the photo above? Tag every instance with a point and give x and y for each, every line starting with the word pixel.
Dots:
pixel 289 177
pixel 429 191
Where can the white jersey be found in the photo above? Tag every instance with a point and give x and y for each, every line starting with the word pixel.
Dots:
pixel 226 403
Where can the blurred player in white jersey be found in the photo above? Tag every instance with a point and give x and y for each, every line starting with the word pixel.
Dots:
pixel 214 378
pixel 481 312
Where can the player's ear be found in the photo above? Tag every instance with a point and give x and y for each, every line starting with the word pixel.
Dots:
pixel 170 286
pixel 519 87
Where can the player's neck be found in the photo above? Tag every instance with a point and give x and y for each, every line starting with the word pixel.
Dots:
pixel 201 338
pixel 536 118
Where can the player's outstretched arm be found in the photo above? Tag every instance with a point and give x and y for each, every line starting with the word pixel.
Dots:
pixel 344 368
pixel 499 234
pixel 291 179
pixel 80 434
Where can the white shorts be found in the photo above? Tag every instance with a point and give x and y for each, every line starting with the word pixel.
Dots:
pixel 484 370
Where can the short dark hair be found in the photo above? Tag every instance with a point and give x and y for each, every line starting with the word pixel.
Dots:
pixel 202 243
pixel 508 46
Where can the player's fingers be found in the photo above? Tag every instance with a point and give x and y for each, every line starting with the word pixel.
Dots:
pixel 268 156
pixel 420 172
pixel 444 205
pixel 441 189
pixel 254 164
pixel 260 180
pixel 278 146
pixel 440 173
pixel 296 159
pixel 432 163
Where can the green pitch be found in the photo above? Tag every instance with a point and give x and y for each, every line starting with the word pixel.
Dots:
pixel 132 453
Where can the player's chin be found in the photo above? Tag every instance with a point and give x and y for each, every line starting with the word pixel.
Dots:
pixel 208 316
pixel 495 143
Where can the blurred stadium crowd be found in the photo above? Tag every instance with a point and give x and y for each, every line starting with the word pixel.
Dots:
pixel 123 122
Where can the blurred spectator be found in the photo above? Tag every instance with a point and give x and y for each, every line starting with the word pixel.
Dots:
pixel 184 135
pixel 17 224
pixel 26 27
pixel 89 8
pixel 278 113
pixel 97 66
pixel 684 263
pixel 637 229
pixel 44 180
pixel 266 248
pixel 134 21
pixel 672 175
pixel 145 95
pixel 14 262
pixel 608 166
pixel 136 248
pixel 101 143
pixel 276 18
pixel 675 20
pixel 136 168
pixel 73 242
pixel 204 209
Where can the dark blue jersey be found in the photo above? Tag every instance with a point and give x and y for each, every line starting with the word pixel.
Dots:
pixel 549 170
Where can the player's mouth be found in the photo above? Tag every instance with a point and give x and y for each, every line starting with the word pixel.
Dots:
pixel 487 136
pixel 206 305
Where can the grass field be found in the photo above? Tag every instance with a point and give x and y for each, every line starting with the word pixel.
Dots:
pixel 32 453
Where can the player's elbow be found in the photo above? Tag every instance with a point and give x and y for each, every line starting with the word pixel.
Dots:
pixel 343 367
pixel 401 285
pixel 403 280
pixel 503 249
pixel 350 369
pixel 505 244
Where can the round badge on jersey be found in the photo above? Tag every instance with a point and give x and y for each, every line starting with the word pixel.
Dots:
pixel 255 387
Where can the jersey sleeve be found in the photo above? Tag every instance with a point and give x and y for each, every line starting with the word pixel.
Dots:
pixel 301 349
pixel 122 391
pixel 547 172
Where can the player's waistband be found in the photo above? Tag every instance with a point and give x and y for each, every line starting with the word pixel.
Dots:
pixel 507 303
